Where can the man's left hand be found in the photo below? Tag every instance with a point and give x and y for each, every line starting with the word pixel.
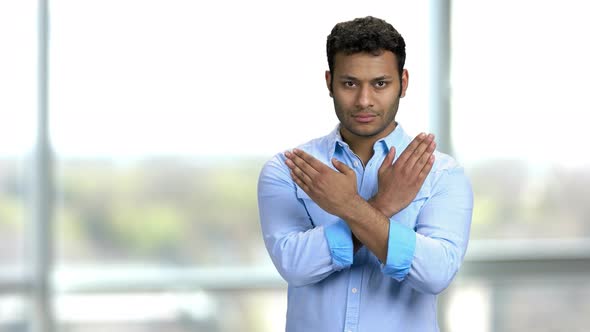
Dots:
pixel 334 191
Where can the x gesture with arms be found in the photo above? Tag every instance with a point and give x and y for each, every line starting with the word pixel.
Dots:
pixel 335 191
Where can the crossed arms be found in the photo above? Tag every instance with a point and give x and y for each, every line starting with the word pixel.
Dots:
pixel 300 251
pixel 336 192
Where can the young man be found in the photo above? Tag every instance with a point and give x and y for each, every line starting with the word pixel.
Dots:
pixel 365 224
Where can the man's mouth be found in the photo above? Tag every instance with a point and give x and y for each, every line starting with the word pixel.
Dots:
pixel 364 117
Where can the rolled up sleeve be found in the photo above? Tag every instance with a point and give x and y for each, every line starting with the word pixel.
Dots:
pixel 401 246
pixel 339 239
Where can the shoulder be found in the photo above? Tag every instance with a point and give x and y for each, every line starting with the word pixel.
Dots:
pixel 318 147
pixel 444 162
pixel 447 172
pixel 275 167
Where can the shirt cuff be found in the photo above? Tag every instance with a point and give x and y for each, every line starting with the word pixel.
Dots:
pixel 340 244
pixel 400 251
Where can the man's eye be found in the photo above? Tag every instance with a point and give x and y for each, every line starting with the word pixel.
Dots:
pixel 381 84
pixel 349 84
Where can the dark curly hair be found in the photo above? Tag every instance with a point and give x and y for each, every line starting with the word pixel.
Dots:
pixel 368 34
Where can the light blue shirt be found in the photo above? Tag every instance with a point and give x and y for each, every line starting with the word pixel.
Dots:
pixel 331 290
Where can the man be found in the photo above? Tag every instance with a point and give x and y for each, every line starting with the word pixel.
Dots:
pixel 364 224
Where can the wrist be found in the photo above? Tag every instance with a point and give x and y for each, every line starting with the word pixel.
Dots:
pixel 353 207
pixel 379 202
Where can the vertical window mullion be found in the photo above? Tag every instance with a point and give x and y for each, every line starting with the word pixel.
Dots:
pixel 440 89
pixel 440 95
pixel 40 233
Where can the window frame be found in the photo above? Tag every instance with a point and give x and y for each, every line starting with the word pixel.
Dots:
pixel 493 260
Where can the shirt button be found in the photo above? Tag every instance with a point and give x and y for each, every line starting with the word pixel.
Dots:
pixel 354 290
pixel 355 163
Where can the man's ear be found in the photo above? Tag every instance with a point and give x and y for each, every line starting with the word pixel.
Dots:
pixel 405 81
pixel 329 82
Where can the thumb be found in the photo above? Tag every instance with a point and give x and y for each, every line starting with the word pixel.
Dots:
pixel 388 159
pixel 341 166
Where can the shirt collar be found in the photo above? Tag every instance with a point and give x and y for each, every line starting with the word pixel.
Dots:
pixel 334 141
pixel 397 138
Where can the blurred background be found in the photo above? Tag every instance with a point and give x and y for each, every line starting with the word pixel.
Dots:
pixel 132 133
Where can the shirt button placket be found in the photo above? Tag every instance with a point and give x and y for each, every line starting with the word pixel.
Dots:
pixel 353 301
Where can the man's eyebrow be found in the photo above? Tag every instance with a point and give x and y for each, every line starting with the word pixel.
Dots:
pixel 347 77
pixel 352 78
pixel 383 78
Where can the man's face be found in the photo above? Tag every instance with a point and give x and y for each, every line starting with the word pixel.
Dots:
pixel 366 89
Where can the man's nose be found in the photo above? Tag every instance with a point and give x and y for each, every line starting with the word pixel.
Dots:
pixel 364 98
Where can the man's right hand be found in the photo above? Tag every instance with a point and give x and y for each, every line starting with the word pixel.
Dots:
pixel 400 182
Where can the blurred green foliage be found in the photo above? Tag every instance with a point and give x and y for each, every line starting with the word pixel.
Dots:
pixel 204 212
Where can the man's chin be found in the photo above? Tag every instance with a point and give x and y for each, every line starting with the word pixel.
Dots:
pixel 365 132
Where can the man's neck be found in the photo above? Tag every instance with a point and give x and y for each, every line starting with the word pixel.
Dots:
pixel 363 149
pixel 363 146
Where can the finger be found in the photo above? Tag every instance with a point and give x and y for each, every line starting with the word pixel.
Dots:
pixel 413 158
pixel 300 183
pixel 388 159
pixel 423 159
pixel 303 165
pixel 426 169
pixel 342 167
pixel 410 149
pixel 298 173
pixel 309 159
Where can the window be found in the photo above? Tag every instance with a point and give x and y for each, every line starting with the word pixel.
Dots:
pixel 163 112
pixel 18 82
pixel 162 115
pixel 518 70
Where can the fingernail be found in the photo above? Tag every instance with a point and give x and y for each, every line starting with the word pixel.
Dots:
pixel 422 135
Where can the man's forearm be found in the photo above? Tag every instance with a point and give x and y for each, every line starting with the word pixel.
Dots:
pixel 381 208
pixel 369 226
